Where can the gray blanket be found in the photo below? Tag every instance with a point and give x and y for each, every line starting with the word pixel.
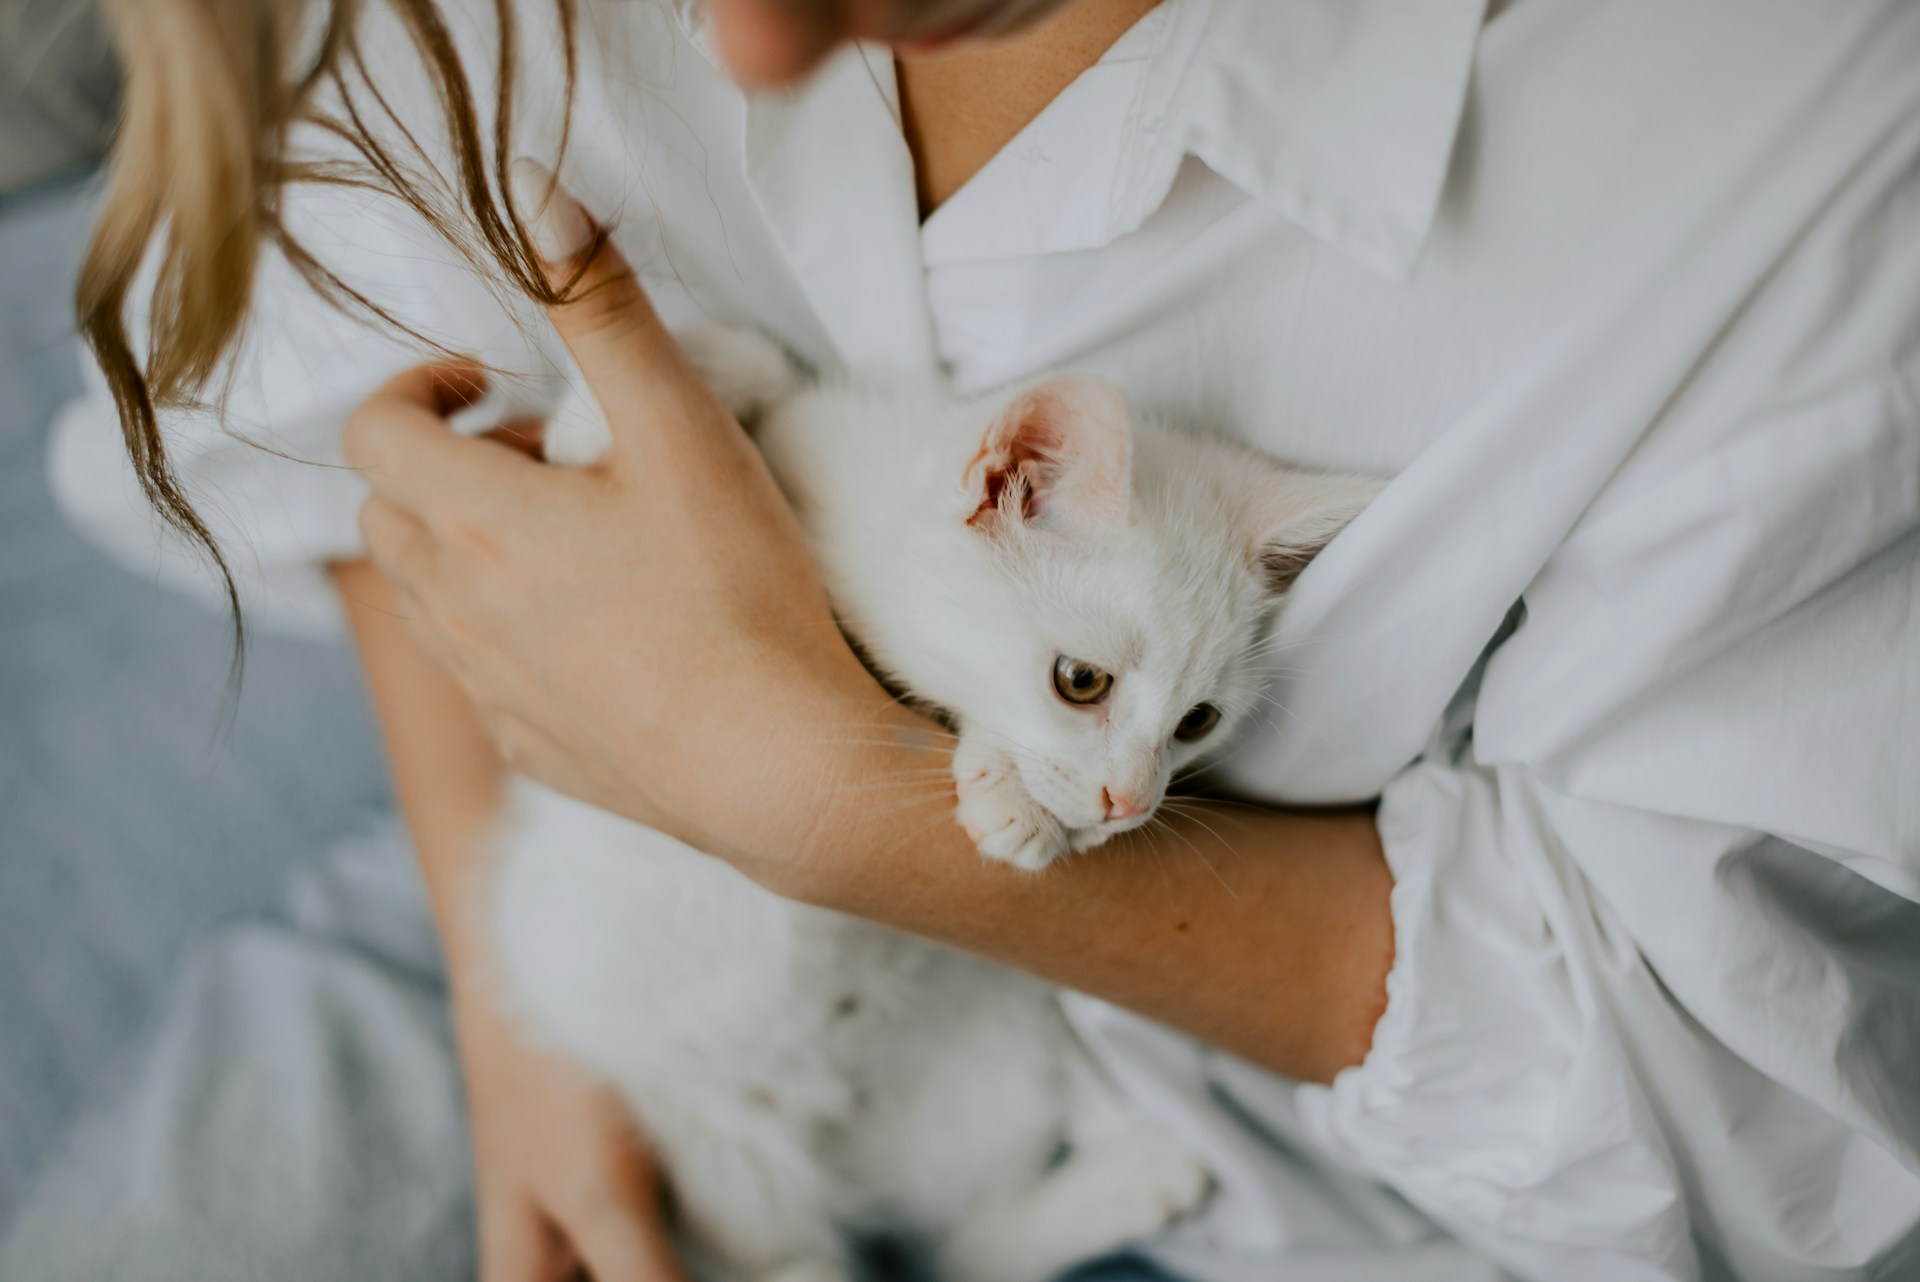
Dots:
pixel 132 822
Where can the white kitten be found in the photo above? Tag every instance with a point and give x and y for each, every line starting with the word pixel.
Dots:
pixel 1083 596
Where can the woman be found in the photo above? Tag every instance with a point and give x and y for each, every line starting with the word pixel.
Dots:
pixel 1617 977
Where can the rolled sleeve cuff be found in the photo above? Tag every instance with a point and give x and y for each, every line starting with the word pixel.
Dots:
pixel 1496 1095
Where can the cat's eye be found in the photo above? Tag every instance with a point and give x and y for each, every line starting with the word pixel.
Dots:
pixel 1079 682
pixel 1199 722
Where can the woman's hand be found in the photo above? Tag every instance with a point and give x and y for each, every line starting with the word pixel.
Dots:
pixel 563 1181
pixel 652 631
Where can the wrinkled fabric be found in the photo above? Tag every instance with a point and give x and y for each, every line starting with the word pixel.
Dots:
pixel 298 1118
pixel 1624 299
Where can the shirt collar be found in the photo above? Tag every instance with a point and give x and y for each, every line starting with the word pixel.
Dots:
pixel 692 15
pixel 1340 115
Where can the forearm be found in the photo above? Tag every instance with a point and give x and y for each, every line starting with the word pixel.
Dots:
pixel 1262 932
pixel 447 775
pixel 1265 933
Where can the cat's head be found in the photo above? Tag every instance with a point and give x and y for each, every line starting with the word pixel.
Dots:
pixel 1118 588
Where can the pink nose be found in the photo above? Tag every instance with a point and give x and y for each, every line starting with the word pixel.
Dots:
pixel 1122 807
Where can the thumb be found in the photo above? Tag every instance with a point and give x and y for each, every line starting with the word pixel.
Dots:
pixel 607 322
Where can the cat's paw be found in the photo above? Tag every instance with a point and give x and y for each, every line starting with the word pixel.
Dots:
pixel 999 814
pixel 1079 839
pixel 1169 1184
pixel 1132 1188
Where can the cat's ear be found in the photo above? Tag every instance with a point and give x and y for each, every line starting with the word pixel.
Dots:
pixel 1294 515
pixel 1061 454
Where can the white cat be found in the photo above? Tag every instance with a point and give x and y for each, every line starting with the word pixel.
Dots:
pixel 1083 596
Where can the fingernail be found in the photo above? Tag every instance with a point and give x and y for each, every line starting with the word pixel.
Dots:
pixel 559 227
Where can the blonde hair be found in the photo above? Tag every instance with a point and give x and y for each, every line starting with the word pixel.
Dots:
pixel 212 93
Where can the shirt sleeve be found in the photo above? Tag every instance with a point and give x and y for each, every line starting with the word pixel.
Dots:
pixel 261 461
pixel 1653 1008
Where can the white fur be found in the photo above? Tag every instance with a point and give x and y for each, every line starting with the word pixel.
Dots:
pixel 807 1077
pixel 1169 599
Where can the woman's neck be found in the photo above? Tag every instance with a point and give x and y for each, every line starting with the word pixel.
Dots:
pixel 959 107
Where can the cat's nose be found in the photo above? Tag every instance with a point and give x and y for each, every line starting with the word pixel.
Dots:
pixel 1122 806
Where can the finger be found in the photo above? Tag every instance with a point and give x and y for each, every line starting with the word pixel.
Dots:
pixel 518 1245
pixel 444 387
pixel 399 543
pixel 526 436
pixel 620 1240
pixel 402 446
pixel 609 324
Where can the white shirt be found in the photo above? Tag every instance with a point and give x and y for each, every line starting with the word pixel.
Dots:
pixel 1624 295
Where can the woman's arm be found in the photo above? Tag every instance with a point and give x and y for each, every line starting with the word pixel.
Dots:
pixel 649 634
pixel 1262 932
pixel 449 779
pixel 561 1176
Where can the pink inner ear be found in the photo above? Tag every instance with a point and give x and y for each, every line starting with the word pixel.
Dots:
pixel 1060 451
pixel 1019 474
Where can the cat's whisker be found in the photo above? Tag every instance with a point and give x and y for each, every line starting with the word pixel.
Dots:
pixel 942 811
pixel 1208 865
pixel 892 701
pixel 1230 803
pixel 1159 863
pixel 934 758
pixel 907 789
pixel 1020 751
pixel 940 774
pixel 931 729
pixel 1198 813
pixel 1276 645
pixel 1187 841
pixel 944 816
pixel 1270 650
pixel 1224 883
pixel 1179 835
pixel 881 741
pixel 1279 704
pixel 929 788
pixel 1187 772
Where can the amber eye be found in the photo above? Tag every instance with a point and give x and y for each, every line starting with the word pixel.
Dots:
pixel 1199 722
pixel 1080 683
